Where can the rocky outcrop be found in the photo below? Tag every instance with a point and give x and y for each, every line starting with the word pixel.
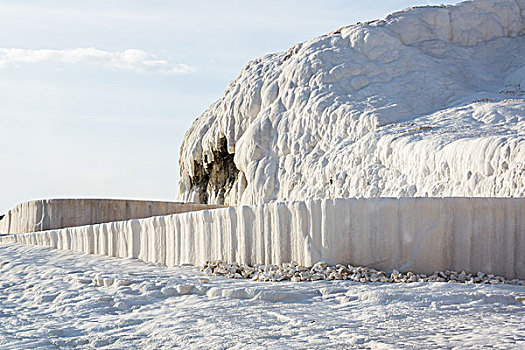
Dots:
pixel 426 102
pixel 214 180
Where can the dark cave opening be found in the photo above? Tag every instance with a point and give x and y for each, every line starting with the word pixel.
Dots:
pixel 213 181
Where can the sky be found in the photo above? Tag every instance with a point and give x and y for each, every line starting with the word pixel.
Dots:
pixel 95 96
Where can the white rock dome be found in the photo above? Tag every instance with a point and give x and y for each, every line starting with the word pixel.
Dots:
pixel 426 102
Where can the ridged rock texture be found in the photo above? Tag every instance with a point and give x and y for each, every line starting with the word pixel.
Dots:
pixel 408 234
pixel 426 102
pixel 48 214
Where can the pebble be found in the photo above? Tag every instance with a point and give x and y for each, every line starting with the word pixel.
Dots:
pixel 84 280
pixel 123 283
pixel 107 282
pixel 323 271
pixel 168 291
pixel 184 289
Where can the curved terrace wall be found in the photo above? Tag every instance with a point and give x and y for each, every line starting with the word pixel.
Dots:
pixel 48 214
pixel 417 234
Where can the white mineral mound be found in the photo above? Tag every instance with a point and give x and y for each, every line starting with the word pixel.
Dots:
pixel 426 102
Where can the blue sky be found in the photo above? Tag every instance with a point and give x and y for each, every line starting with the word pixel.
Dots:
pixel 96 95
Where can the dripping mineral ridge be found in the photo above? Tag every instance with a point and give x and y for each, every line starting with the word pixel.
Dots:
pixel 426 102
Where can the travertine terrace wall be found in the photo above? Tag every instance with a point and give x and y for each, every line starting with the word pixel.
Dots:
pixel 418 234
pixel 41 215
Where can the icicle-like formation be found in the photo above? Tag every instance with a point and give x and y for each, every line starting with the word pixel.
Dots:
pixel 409 234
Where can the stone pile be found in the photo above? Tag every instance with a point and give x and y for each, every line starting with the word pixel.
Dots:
pixel 323 271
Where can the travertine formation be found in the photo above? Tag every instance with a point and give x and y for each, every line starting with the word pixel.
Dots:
pixel 426 102
pixel 48 214
pixel 408 234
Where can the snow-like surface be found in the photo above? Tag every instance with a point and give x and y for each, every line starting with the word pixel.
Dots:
pixel 49 300
pixel 415 234
pixel 427 102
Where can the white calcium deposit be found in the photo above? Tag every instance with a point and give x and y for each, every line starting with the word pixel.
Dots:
pixel 408 234
pixel 426 102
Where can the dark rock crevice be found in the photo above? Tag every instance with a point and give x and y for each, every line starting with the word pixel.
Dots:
pixel 215 178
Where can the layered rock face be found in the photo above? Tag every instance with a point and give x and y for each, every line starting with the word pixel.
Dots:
pixel 426 102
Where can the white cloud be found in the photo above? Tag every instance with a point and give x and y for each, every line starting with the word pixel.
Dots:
pixel 130 59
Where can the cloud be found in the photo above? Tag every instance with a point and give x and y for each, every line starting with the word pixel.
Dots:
pixel 131 59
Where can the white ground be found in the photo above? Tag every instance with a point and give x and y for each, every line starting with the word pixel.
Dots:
pixel 48 299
